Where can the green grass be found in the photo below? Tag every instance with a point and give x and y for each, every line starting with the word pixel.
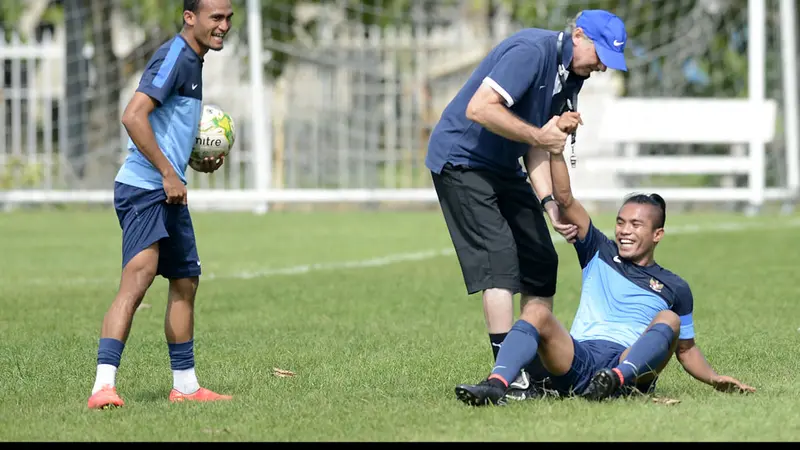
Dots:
pixel 377 350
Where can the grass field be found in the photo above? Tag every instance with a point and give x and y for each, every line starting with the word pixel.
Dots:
pixel 370 312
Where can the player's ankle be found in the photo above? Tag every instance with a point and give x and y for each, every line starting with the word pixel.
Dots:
pixel 618 373
pixel 498 381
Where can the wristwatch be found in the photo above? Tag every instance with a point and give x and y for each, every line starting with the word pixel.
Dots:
pixel 547 198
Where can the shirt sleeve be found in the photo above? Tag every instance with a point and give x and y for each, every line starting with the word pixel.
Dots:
pixel 684 307
pixel 161 77
pixel 590 245
pixel 515 71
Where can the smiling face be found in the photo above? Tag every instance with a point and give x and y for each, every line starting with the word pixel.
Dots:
pixel 209 24
pixel 639 228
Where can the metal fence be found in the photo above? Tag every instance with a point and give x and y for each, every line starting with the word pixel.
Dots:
pixel 351 88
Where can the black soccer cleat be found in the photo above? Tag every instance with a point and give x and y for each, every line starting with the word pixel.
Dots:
pixel 481 394
pixel 603 385
pixel 523 388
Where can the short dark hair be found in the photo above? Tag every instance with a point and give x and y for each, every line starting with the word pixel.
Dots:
pixel 654 200
pixel 191 5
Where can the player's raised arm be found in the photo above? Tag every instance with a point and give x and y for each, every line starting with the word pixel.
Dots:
pixel 571 209
pixel 537 162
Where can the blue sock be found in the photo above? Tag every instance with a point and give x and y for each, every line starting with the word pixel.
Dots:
pixel 110 351
pixel 536 370
pixel 519 348
pixel 181 356
pixel 647 353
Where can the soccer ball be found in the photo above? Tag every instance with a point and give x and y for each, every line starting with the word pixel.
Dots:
pixel 215 134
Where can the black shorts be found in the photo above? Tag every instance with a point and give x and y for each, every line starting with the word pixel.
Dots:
pixel 499 231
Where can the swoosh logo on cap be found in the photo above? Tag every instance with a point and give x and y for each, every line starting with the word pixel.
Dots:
pixel 618 43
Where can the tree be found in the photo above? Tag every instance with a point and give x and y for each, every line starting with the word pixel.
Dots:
pixel 94 110
pixel 674 48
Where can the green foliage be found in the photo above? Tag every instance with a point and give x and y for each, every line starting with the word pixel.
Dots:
pixel 723 61
pixel 17 173
pixel 165 16
pixel 12 11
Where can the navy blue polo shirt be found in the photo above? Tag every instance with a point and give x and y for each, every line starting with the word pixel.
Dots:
pixel 523 69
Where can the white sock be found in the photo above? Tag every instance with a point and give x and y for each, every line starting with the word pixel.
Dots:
pixel 106 376
pixel 185 381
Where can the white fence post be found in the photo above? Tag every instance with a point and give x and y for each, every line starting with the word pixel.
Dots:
pixel 756 67
pixel 260 126
pixel 791 122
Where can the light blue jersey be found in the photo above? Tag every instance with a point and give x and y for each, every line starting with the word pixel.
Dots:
pixel 619 299
pixel 173 78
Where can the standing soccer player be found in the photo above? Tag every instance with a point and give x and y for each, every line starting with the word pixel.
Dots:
pixel 158 238
pixel 509 108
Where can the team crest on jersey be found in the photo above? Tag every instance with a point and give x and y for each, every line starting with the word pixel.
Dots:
pixel 656 285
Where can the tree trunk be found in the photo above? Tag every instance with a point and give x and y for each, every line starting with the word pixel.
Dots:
pixel 76 80
pixel 104 138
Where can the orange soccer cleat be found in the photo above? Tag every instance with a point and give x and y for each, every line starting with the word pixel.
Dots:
pixel 105 398
pixel 200 395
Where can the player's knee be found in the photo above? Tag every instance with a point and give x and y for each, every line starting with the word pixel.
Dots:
pixel 537 314
pixel 669 318
pixel 137 278
pixel 526 299
pixel 183 289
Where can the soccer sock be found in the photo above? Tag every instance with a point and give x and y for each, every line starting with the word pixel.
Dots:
pixel 496 340
pixel 536 370
pixel 109 353
pixel 647 353
pixel 181 360
pixel 519 348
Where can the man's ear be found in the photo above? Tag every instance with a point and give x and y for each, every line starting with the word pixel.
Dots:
pixel 577 35
pixel 189 18
pixel 658 235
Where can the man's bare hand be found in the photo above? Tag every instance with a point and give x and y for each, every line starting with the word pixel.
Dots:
pixel 729 384
pixel 208 164
pixel 175 189
pixel 569 121
pixel 550 137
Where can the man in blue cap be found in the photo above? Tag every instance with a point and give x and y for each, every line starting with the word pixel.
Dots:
pixel 519 102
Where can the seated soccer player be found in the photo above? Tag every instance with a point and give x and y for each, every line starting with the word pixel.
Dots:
pixel 633 313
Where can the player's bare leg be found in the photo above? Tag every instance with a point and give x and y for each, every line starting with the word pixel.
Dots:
pixel 179 331
pixel 136 278
pixel 498 310
pixel 643 361
pixel 537 331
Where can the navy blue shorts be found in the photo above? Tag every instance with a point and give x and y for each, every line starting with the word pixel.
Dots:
pixel 590 356
pixel 146 218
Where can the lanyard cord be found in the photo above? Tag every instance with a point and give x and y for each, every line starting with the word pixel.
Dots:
pixel 571 102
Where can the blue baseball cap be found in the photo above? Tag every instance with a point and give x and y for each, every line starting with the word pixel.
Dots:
pixel 608 34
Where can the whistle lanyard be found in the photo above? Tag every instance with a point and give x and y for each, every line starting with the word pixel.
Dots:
pixel 571 102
